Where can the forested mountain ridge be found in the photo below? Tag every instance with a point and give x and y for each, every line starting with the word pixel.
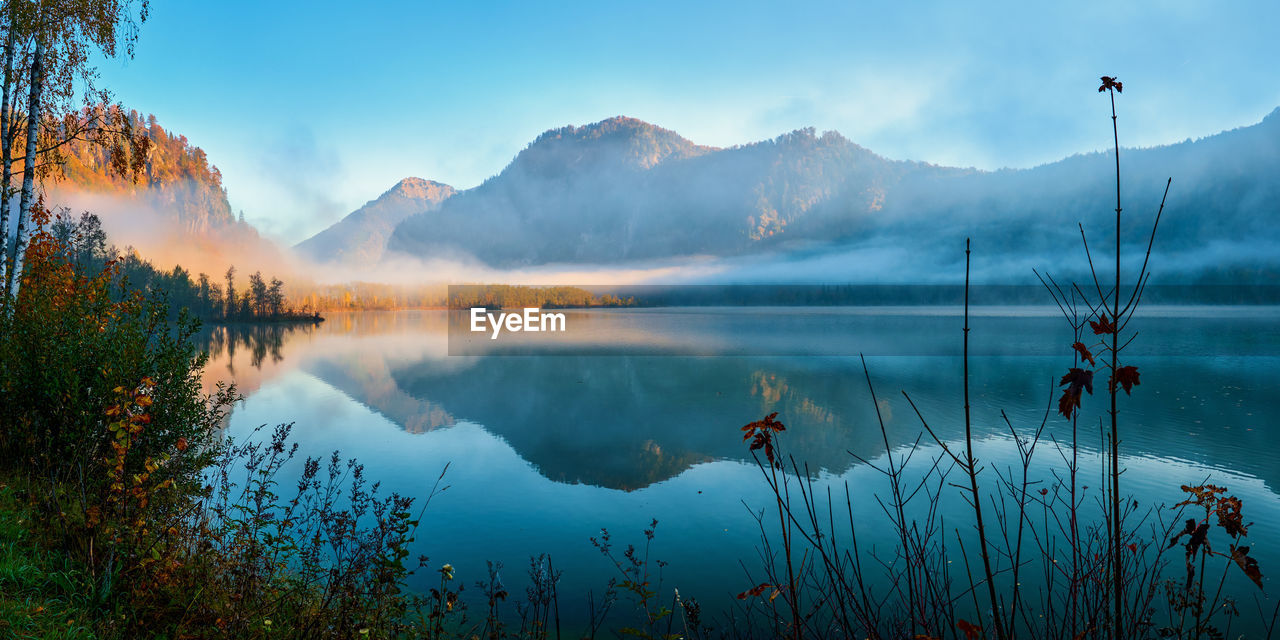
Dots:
pixel 175 178
pixel 172 207
pixel 622 189
pixel 1221 222
pixel 361 236
pixel 617 142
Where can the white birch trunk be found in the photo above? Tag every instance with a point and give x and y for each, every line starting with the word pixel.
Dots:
pixel 14 280
pixel 6 142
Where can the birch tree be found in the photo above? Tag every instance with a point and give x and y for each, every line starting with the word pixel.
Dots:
pixel 12 33
pixel 56 40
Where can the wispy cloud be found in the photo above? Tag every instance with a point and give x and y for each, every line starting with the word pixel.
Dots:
pixel 301 174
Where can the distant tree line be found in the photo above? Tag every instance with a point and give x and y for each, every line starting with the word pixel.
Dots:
pixel 368 296
pixel 517 296
pixel 262 299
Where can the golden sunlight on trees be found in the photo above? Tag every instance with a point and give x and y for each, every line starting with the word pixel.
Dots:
pixel 47 46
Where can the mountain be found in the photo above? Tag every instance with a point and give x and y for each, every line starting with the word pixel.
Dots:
pixel 361 236
pixel 174 210
pixel 176 177
pixel 622 189
pixel 1219 224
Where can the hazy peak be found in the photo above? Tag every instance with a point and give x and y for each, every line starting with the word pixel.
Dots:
pixel 623 189
pixel 619 140
pixel 419 189
pixel 361 236
pixel 625 124
pixel 617 125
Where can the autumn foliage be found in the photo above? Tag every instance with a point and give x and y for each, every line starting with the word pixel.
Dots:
pixel 73 336
pixel 179 531
pixel 761 433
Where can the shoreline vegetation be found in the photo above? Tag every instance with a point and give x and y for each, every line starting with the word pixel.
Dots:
pixel 313 317
pixel 126 513
pixel 85 245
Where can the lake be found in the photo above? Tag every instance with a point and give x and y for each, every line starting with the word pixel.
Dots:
pixel 638 419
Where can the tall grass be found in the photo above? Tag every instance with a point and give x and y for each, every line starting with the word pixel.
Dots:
pixel 1096 574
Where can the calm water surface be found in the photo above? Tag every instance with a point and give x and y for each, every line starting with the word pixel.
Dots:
pixel 545 450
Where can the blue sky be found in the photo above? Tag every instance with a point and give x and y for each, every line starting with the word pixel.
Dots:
pixel 312 108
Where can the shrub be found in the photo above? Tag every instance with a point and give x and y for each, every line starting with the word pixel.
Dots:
pixel 181 533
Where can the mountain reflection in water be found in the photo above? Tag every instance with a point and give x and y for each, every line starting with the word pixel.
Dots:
pixel 545 450
pixel 625 422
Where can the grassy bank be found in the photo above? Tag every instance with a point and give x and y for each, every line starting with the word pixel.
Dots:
pixel 42 591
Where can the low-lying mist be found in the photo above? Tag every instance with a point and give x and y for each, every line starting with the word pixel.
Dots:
pixel 166 240
pixel 622 202
pixel 888 258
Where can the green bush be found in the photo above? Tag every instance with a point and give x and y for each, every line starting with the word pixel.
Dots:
pixel 116 455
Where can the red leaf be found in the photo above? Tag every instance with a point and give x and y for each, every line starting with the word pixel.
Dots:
pixel 1249 565
pixel 1109 82
pixel 1068 403
pixel 1102 326
pixel 1127 377
pixel 761 433
pixel 1230 516
pixel 1084 352
pixel 754 591
pixel 971 631
pixel 1078 378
